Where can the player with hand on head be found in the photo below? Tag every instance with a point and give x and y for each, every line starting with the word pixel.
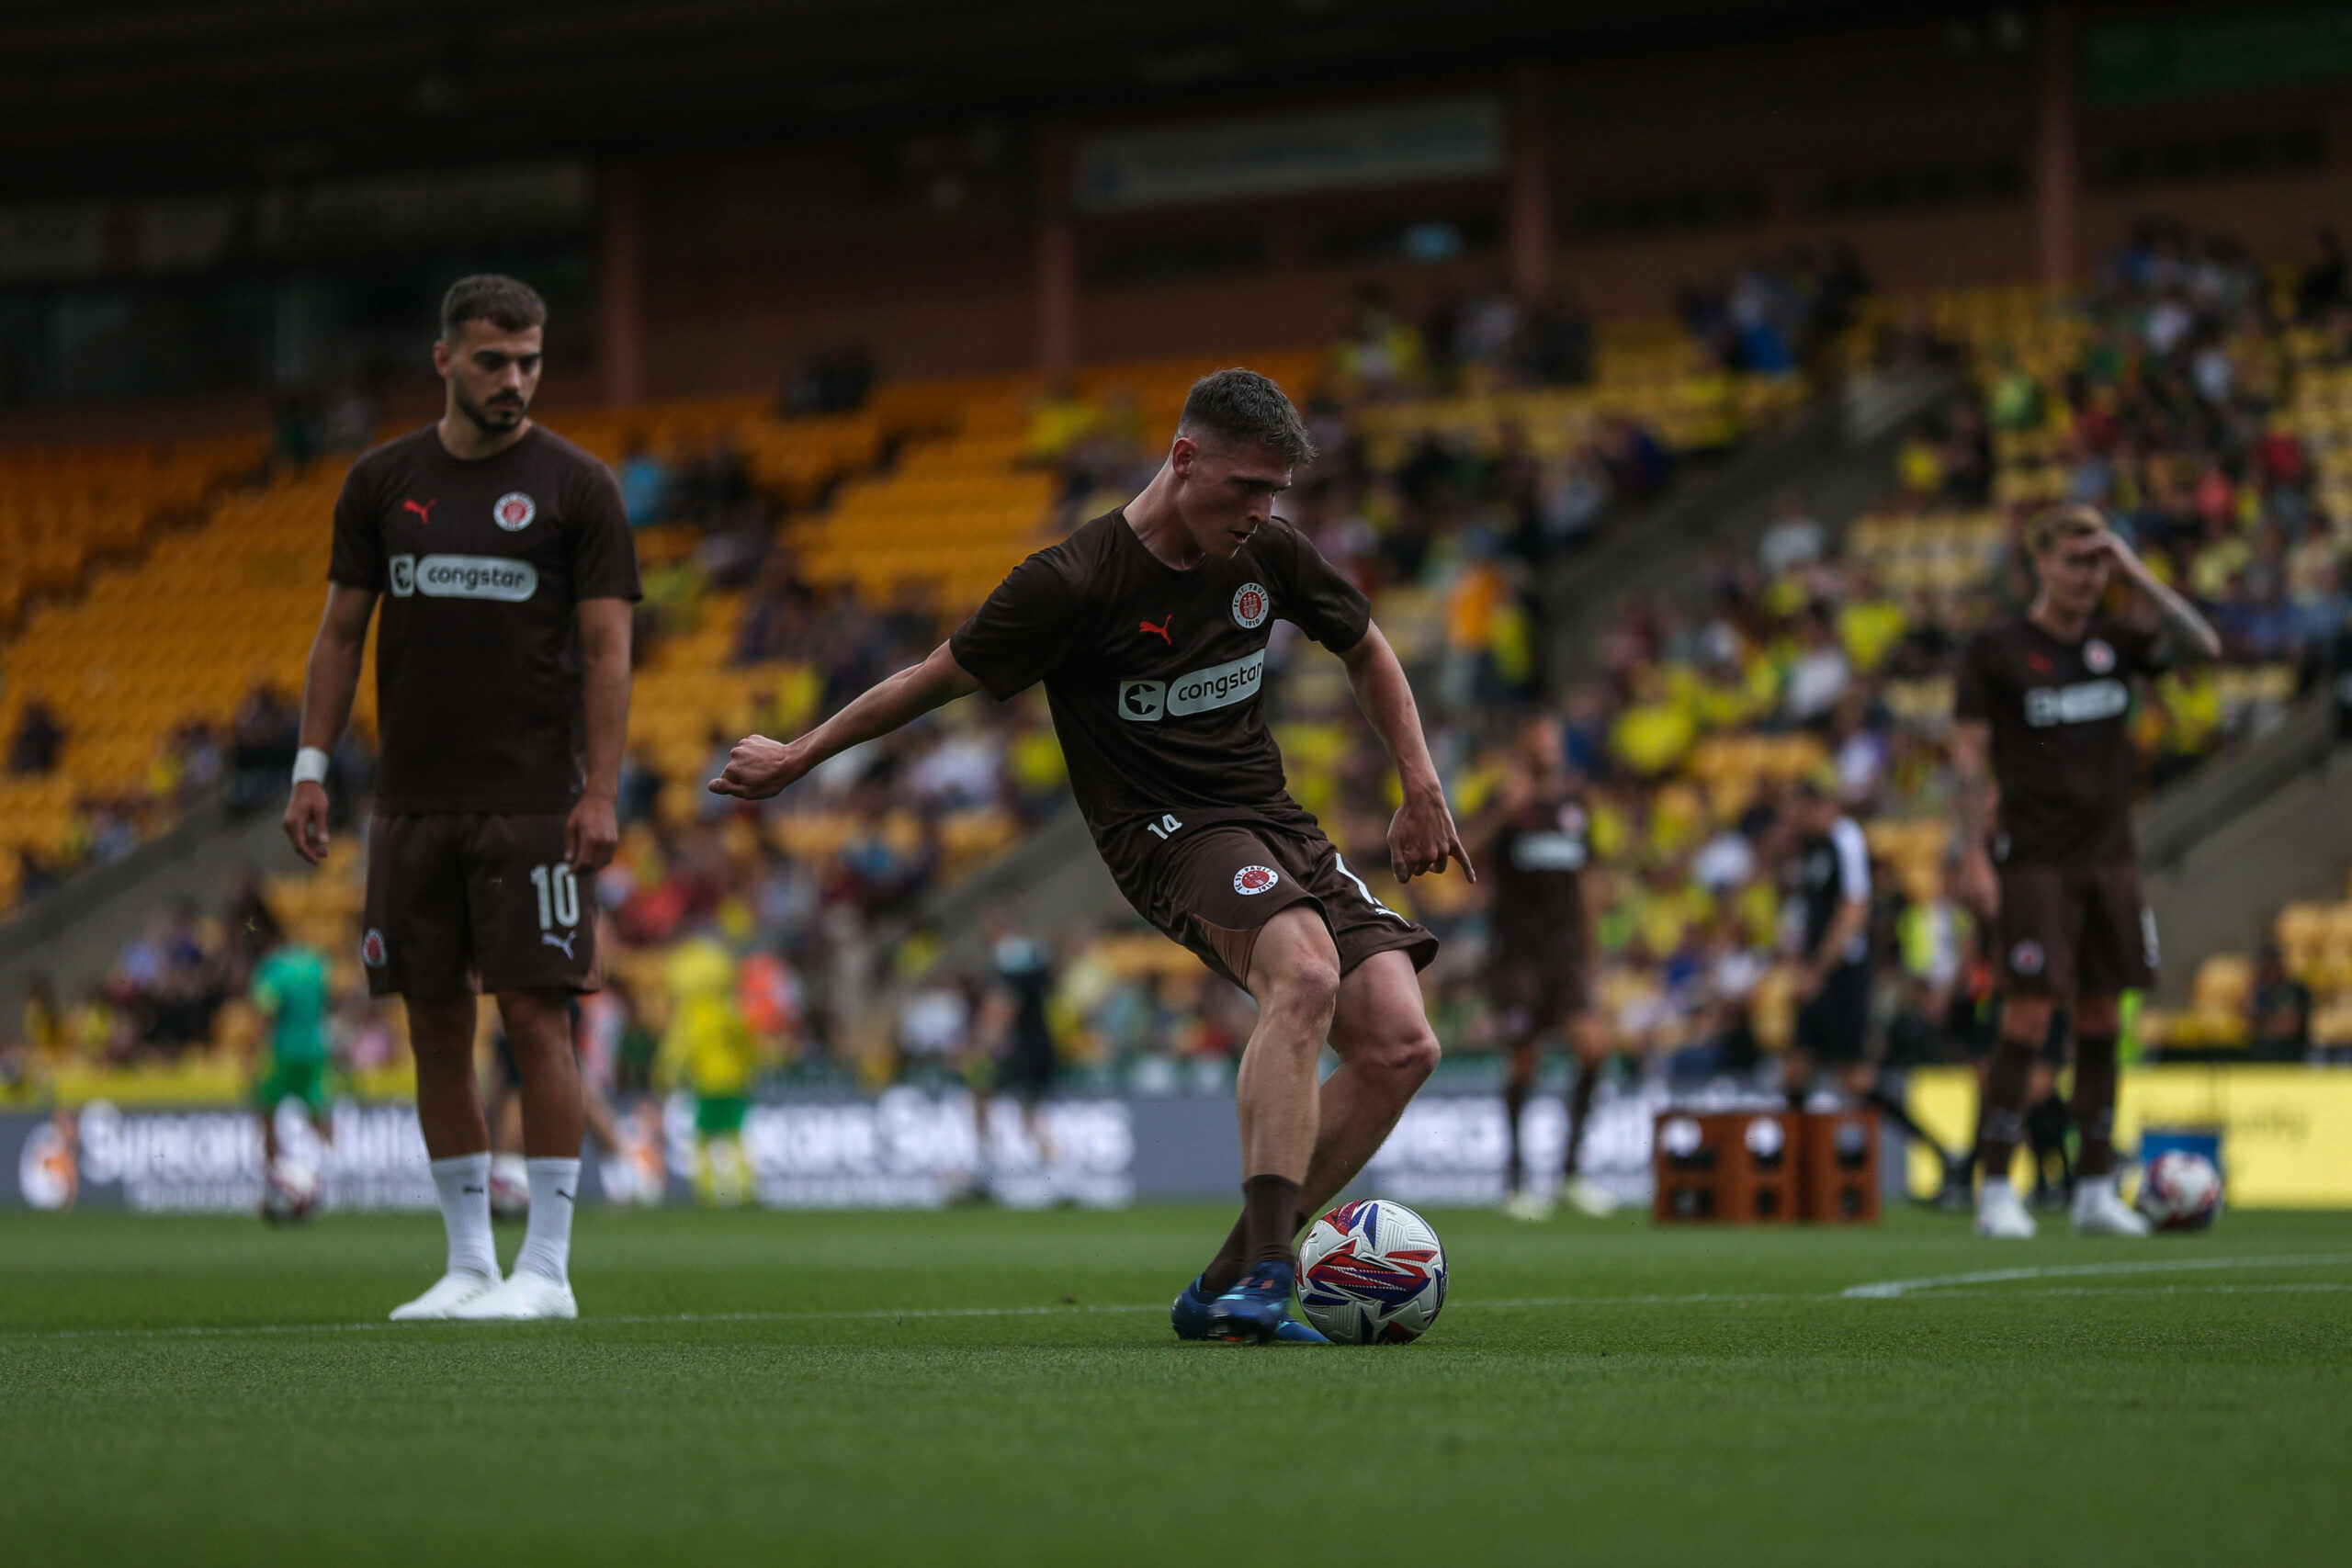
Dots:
pixel 1541 922
pixel 1149 627
pixel 504 564
pixel 2046 700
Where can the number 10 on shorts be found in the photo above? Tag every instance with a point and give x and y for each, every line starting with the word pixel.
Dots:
pixel 559 893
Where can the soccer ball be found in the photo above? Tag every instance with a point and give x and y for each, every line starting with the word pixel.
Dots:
pixel 510 1187
pixel 292 1190
pixel 2181 1192
pixel 1371 1273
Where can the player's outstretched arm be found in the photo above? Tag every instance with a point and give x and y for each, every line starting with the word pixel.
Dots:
pixel 329 682
pixel 759 767
pixel 1422 836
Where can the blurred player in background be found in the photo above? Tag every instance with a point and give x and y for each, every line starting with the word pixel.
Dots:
pixel 1015 1036
pixel 289 993
pixel 1535 843
pixel 2046 698
pixel 710 1052
pixel 1149 627
pixel 1834 969
pixel 506 570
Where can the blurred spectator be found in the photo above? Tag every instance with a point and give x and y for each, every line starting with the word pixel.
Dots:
pixel 38 740
pixel 647 485
pixel 2279 1008
pixel 834 380
pixel 1795 539
pixel 264 738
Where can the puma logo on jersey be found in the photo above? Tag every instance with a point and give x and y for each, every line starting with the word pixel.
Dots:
pixel 423 510
pixel 563 942
pixel 1159 631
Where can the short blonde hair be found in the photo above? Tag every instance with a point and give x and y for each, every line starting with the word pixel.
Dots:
pixel 2064 524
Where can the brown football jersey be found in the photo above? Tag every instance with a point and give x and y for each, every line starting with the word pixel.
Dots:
pixel 1154 673
pixel 1537 868
pixel 481 565
pixel 2061 744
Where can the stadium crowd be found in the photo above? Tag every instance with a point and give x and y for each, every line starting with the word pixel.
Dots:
pixel 2161 396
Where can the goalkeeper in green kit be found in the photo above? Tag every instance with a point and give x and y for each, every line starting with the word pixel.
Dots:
pixel 290 992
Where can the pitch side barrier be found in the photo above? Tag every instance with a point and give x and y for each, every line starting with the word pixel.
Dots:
pixel 2286 1140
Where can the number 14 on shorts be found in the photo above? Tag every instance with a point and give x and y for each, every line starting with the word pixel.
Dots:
pixel 559 895
pixel 1164 827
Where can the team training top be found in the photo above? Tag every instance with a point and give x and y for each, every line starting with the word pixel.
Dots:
pixel 1834 870
pixel 291 983
pixel 1154 673
pixel 1537 870
pixel 483 565
pixel 2061 746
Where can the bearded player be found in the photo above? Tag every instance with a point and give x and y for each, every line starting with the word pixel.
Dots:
pixel 504 563
pixel 2047 697
pixel 1541 922
pixel 1149 627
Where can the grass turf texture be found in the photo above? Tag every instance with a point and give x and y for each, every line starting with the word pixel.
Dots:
pixel 198 1389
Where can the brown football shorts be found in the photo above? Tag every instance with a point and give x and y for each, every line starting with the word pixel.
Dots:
pixel 1531 994
pixel 460 902
pixel 2076 931
pixel 1211 890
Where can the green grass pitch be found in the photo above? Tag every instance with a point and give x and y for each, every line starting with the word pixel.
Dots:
pixel 989 1387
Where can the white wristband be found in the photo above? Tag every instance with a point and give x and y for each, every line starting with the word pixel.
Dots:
pixel 309 766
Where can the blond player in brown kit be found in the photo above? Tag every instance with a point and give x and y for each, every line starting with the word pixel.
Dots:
pixel 1148 627
pixel 2046 699
pixel 506 569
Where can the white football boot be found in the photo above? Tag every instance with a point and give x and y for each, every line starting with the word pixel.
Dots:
pixel 1528 1205
pixel 2001 1215
pixel 528 1293
pixel 449 1293
pixel 1589 1197
pixel 2098 1212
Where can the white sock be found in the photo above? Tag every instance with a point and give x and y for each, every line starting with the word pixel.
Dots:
pixel 464 1186
pixel 547 1238
pixel 2089 1189
pixel 1996 1190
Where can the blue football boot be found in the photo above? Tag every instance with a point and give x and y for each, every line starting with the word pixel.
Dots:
pixel 1190 1317
pixel 1258 1310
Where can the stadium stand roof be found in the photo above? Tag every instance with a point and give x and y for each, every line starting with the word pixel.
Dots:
pixel 148 95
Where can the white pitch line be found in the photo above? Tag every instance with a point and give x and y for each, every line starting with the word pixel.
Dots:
pixel 1884 1289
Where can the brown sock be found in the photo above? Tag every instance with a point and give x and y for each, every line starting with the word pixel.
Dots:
pixel 2093 1106
pixel 1232 1260
pixel 1269 1219
pixel 2002 1122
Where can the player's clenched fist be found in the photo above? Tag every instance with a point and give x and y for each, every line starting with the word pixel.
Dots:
pixel 758 768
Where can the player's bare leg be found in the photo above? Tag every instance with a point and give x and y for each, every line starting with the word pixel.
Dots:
pixel 456 1140
pixel 1294 974
pixel 538 1033
pixel 1386 1051
pixel 2099 1211
pixel 2025 1024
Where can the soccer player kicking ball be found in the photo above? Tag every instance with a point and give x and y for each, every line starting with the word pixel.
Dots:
pixel 506 567
pixel 2048 696
pixel 1149 627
